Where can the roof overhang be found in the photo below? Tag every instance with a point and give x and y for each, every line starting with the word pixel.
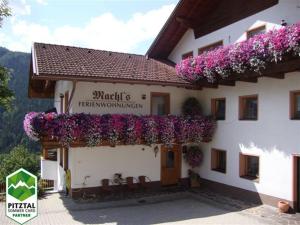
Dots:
pixel 204 17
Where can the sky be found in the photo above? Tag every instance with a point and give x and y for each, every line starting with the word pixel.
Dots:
pixel 115 25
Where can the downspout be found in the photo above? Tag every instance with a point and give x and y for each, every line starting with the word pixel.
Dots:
pixel 71 96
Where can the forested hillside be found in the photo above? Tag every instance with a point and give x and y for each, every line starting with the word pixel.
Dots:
pixel 11 123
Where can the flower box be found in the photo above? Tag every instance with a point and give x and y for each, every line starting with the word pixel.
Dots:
pixel 115 129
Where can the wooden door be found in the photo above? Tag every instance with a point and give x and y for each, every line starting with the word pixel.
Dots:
pixel 170 165
pixel 298 184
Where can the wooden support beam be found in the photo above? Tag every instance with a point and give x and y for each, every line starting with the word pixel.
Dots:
pixel 227 82
pixel 248 79
pixel 47 85
pixel 185 22
pixel 275 75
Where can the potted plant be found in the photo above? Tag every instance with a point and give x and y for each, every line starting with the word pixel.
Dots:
pixel 283 206
pixel 194 178
pixel 193 156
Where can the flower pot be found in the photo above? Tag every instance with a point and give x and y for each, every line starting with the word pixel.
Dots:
pixel 283 206
pixel 195 183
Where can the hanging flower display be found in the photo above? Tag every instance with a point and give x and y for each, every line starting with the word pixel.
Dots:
pixel 193 155
pixel 117 128
pixel 250 55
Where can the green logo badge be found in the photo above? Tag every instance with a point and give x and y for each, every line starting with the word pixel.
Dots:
pixel 21 196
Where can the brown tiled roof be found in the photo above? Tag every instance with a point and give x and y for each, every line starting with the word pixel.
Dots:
pixel 57 62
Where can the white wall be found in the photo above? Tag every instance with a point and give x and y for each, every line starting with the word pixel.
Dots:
pixel 48 169
pixel 103 162
pixel 289 10
pixel 84 91
pixel 274 137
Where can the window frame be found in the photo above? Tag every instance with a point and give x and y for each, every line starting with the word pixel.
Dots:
pixel 214 108
pixel 293 104
pixel 45 154
pixel 215 160
pixel 243 167
pixel 242 107
pixel 210 47
pixel 187 55
pixel 252 32
pixel 161 94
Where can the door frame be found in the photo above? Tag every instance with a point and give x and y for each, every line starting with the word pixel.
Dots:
pixel 295 182
pixel 179 147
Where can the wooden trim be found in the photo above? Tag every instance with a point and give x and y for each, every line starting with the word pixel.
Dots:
pixel 295 182
pixel 61 103
pixel 61 156
pixel 210 47
pixel 45 153
pixel 66 158
pixel 215 159
pixel 66 102
pixel 161 94
pixel 249 33
pixel 243 166
pixel 214 107
pixel 52 143
pixel 242 106
pixel 187 55
pixel 293 104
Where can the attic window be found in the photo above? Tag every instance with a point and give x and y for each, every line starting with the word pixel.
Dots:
pixel 210 47
pixel 255 31
pixel 187 55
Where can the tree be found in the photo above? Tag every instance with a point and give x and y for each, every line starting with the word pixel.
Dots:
pixel 19 157
pixel 6 95
pixel 4 10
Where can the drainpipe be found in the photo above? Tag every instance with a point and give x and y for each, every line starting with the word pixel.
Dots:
pixel 71 96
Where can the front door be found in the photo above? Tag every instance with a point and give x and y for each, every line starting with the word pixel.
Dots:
pixel 170 164
pixel 298 184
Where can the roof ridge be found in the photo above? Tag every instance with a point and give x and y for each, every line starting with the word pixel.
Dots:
pixel 108 51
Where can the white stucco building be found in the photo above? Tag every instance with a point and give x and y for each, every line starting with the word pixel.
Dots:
pixel 255 150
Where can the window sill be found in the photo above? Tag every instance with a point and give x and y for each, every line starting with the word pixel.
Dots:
pixel 296 118
pixel 248 119
pixel 251 178
pixel 219 170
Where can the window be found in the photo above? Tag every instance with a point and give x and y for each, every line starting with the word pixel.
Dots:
pixel 187 55
pixel 170 159
pixel 248 107
pixel 249 167
pixel 218 160
pixel 218 108
pixel 255 31
pixel 50 154
pixel 210 47
pixel 160 103
pixel 295 105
